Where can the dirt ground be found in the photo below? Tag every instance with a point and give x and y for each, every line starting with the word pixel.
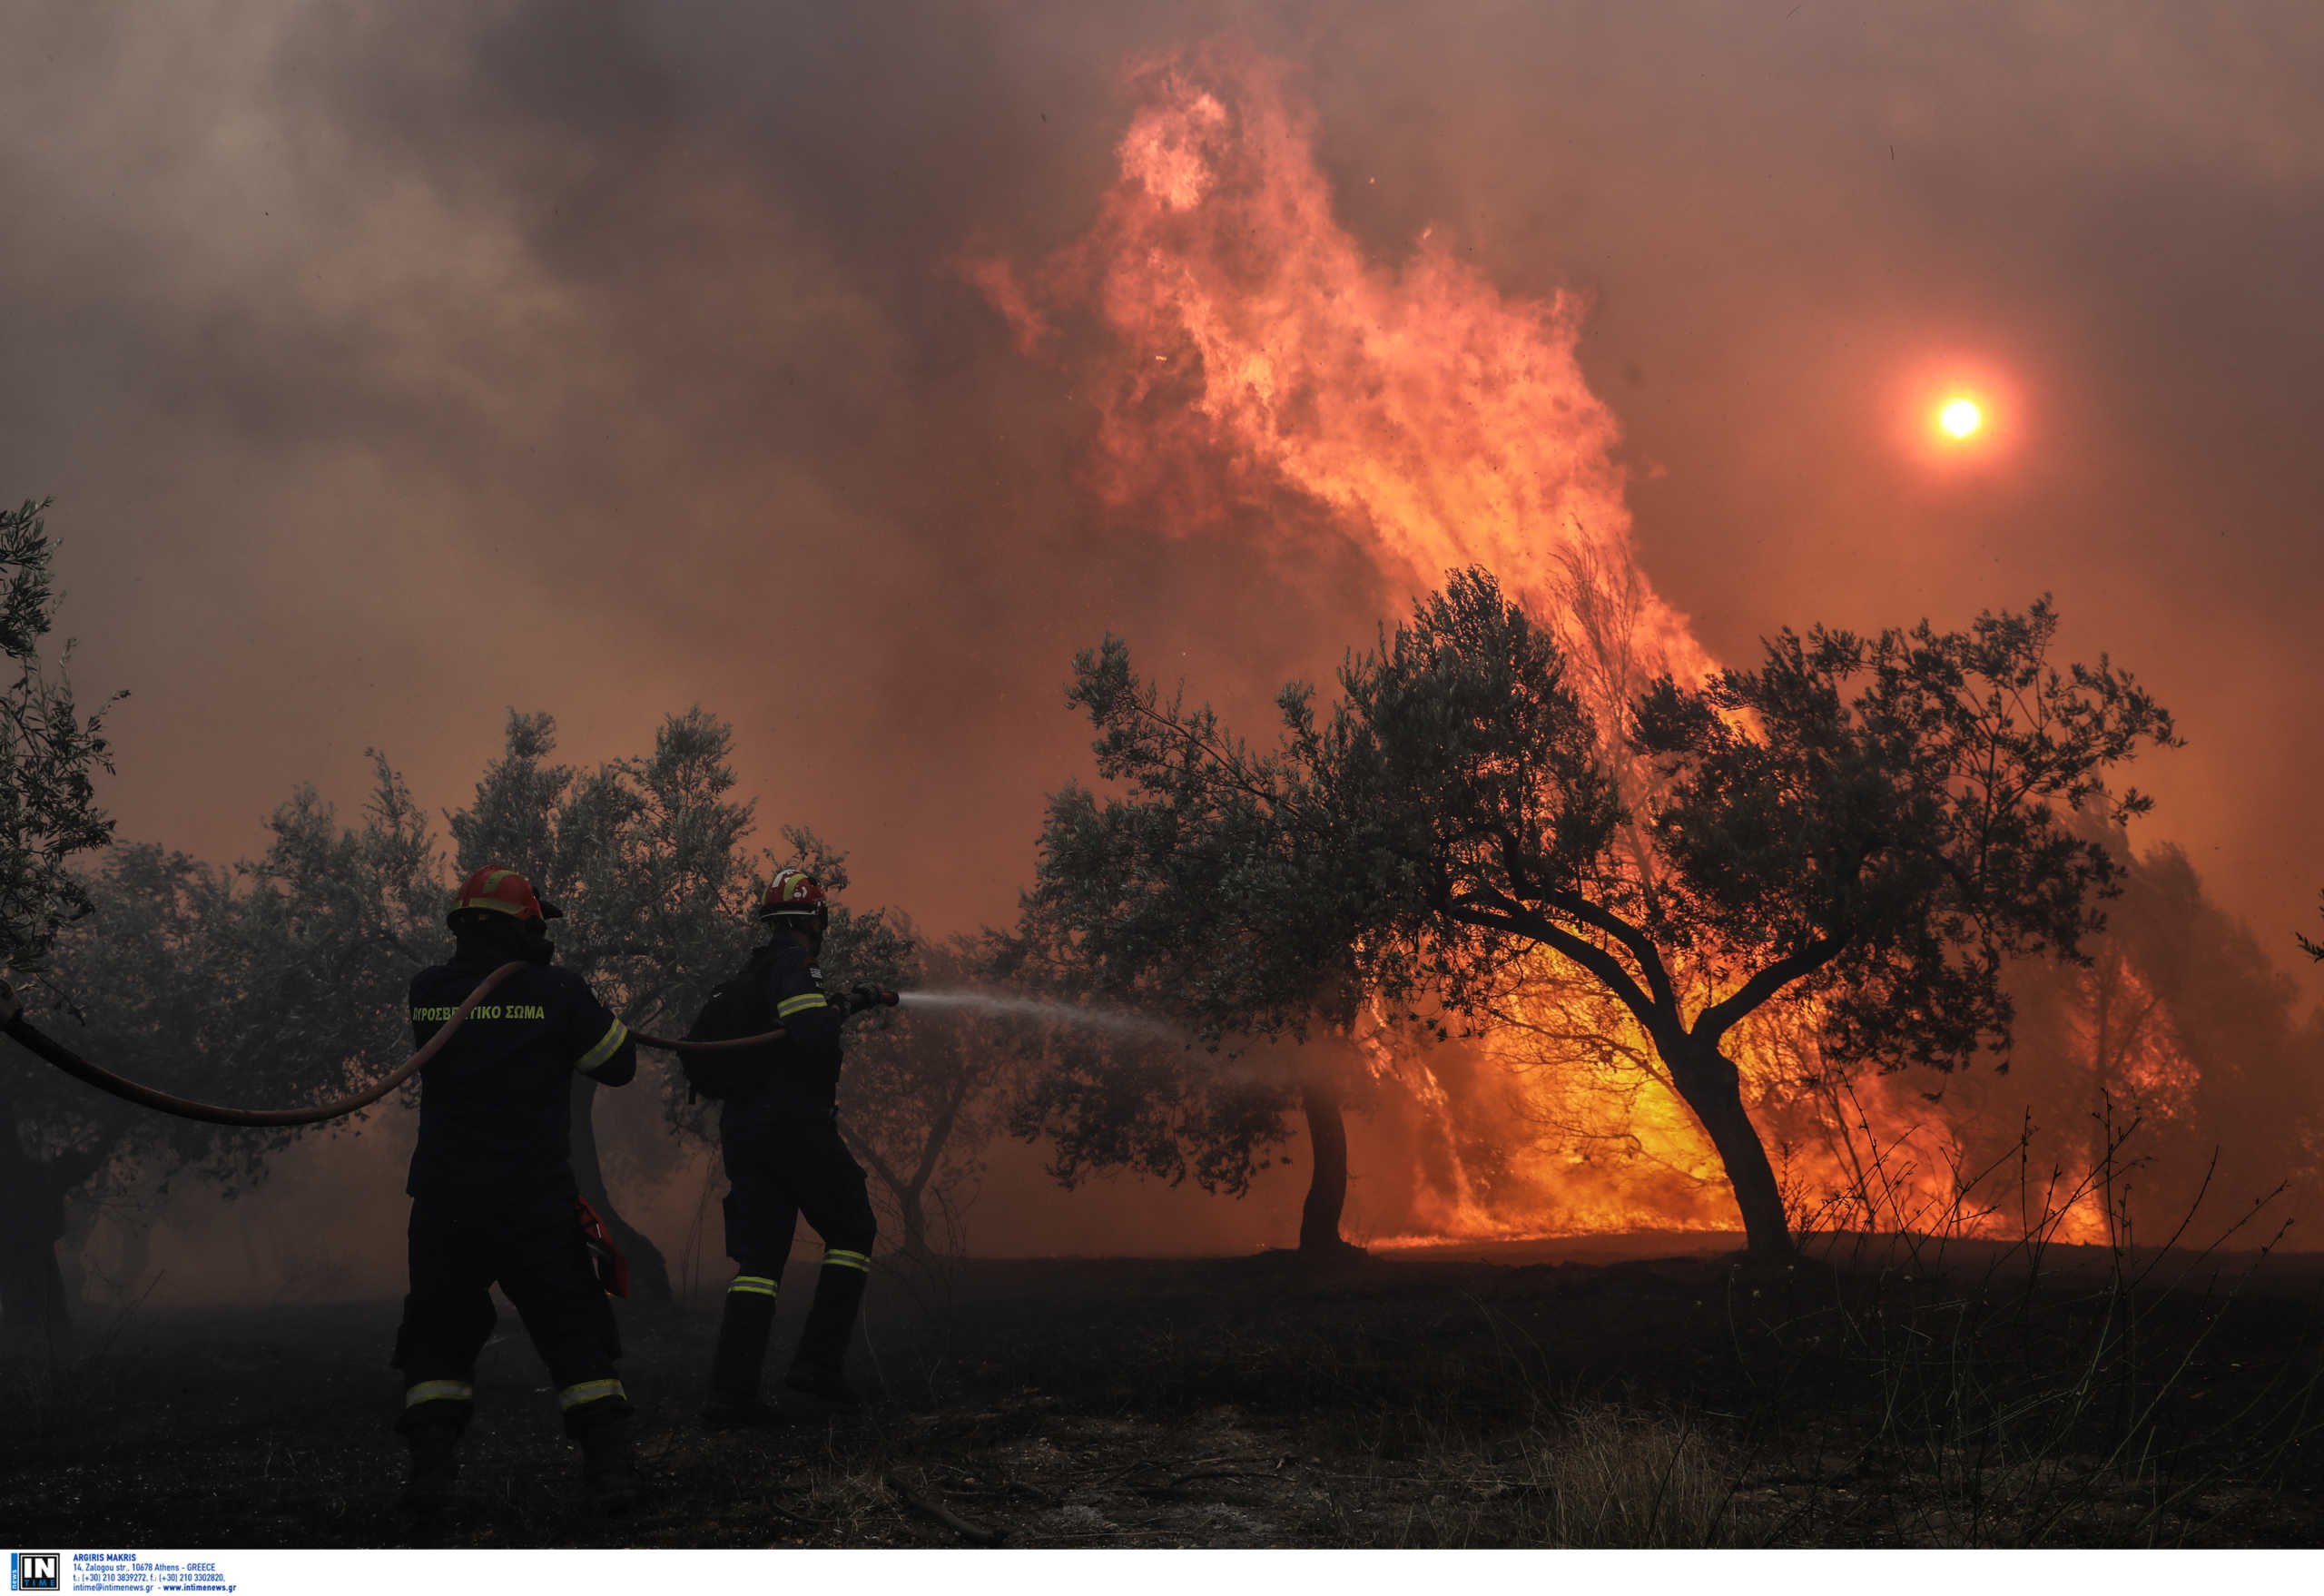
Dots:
pixel 1492 1398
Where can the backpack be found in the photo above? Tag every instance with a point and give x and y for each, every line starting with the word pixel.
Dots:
pixel 735 1008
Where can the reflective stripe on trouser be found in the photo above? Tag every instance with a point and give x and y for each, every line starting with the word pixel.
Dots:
pixel 836 1258
pixel 438 1391
pixel 573 1397
pixel 752 1286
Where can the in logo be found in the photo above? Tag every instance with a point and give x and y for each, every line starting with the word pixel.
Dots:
pixel 34 1570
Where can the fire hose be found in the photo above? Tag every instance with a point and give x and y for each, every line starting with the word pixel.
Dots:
pixel 45 1046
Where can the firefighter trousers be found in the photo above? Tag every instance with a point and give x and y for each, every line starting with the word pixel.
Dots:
pixel 535 1251
pixel 778 1169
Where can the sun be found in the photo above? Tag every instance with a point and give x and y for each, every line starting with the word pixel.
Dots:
pixel 1960 417
pixel 1961 413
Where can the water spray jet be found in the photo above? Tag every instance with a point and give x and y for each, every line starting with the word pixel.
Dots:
pixel 1113 1021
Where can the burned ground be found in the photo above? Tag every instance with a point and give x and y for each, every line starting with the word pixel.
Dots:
pixel 1254 1402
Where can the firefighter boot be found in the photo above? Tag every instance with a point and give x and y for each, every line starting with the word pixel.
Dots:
pixel 608 1453
pixel 819 1371
pixel 432 1440
pixel 734 1401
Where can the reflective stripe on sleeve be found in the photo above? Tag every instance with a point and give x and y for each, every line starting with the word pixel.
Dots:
pixel 839 1257
pixel 438 1391
pixel 573 1397
pixel 607 1046
pixel 751 1285
pixel 800 1004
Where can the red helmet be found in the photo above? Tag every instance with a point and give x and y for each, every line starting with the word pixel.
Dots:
pixel 500 890
pixel 793 896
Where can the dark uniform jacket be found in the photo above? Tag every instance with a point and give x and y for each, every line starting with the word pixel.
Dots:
pixel 496 1116
pixel 802 1080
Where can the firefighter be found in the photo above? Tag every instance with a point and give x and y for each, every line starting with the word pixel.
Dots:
pixel 493 1196
pixel 784 1158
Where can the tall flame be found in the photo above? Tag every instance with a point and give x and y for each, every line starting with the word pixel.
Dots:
pixel 1253 348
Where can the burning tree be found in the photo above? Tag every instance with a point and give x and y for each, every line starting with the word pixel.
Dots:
pixel 1871 827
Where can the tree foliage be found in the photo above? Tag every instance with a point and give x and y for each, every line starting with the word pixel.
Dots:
pixel 1888 851
pixel 1154 1108
pixel 49 754
pixel 644 856
pixel 277 983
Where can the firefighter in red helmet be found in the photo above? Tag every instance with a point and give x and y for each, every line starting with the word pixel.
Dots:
pixel 493 1197
pixel 779 1133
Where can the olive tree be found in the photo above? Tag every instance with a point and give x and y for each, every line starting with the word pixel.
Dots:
pixel 1872 825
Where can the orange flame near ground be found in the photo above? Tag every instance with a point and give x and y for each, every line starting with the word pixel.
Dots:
pixel 1244 349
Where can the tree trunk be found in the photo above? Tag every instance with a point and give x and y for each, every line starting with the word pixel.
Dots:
pixel 1319 1216
pixel 649 1272
pixel 33 1307
pixel 1712 1088
pixel 911 1194
pixel 911 1205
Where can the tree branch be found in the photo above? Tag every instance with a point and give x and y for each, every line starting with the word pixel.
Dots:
pixel 1721 1017
pixel 1232 773
pixel 1507 915
pixel 1642 949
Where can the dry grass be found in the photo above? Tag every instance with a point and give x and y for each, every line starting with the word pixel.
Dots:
pixel 1596 1476
pixel 1625 1479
